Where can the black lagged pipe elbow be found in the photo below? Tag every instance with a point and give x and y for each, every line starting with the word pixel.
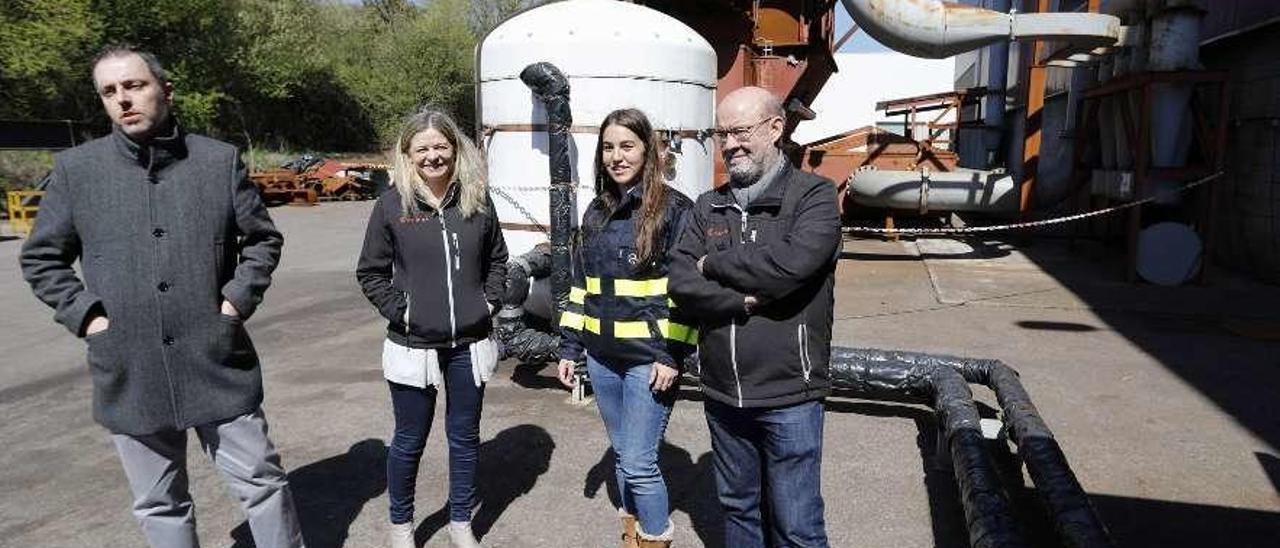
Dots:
pixel 551 87
pixel 881 375
pixel 1076 522
pixel 521 341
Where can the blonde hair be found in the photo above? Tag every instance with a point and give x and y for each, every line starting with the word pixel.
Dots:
pixel 468 170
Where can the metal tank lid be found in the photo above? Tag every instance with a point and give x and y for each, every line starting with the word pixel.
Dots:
pixel 599 38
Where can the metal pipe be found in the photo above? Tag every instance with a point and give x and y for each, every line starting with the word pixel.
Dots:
pixel 1175 46
pixel 520 340
pixel 937 29
pixel 552 88
pixel 1076 522
pixel 876 374
pixel 924 191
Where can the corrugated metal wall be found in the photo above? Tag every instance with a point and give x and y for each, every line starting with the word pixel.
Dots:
pixel 1248 237
pixel 1230 16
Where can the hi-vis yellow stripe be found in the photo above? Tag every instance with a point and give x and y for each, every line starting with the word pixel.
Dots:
pixel 572 320
pixel 656 287
pixel 631 330
pixel 577 295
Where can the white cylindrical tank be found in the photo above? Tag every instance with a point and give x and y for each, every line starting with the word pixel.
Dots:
pixel 615 55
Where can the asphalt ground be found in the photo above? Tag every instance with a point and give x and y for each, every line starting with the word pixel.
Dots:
pixel 1165 401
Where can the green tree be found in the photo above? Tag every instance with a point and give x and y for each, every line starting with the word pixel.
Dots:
pixel 197 39
pixel 44 51
pixel 298 74
pixel 423 58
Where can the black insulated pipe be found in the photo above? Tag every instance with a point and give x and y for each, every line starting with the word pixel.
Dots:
pixel 884 374
pixel 520 340
pixel 551 87
pixel 876 375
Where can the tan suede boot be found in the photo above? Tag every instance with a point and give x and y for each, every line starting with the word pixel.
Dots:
pixel 629 538
pixel 656 541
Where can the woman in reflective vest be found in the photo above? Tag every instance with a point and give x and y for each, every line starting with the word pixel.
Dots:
pixel 620 320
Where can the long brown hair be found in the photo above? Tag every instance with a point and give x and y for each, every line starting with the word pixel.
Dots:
pixel 654 197
pixel 468 164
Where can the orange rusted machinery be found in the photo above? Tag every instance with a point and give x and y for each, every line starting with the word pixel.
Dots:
pixel 780 45
pixel 309 179
pixel 837 157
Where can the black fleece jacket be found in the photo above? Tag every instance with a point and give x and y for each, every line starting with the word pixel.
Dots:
pixel 782 249
pixel 440 272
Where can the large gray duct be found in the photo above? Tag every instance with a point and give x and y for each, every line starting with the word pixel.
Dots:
pixel 924 191
pixel 937 29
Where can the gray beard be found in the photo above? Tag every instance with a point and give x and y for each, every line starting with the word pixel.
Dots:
pixel 745 177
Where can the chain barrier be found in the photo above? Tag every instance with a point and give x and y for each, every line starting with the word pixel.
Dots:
pixel 534 188
pixel 501 192
pixel 516 204
pixel 1030 224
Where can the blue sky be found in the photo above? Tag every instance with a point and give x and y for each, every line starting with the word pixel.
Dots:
pixel 860 43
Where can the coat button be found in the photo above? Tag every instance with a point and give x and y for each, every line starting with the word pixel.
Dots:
pixel 168 341
pixel 163 287
pixel 158 232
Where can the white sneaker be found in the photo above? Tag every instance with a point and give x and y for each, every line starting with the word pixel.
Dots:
pixel 402 535
pixel 461 536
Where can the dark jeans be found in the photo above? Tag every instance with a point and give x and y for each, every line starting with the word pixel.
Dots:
pixel 635 419
pixel 414 408
pixel 774 454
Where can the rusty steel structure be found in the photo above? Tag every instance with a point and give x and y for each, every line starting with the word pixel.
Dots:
pixel 307 181
pixel 784 46
pixel 839 156
pixel 1210 107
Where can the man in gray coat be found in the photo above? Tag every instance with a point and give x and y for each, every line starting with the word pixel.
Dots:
pixel 176 250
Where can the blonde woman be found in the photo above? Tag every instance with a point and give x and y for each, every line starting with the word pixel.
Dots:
pixel 434 264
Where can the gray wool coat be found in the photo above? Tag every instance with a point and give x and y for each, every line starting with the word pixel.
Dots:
pixel 163 232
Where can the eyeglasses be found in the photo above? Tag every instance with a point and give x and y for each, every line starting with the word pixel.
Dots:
pixel 740 133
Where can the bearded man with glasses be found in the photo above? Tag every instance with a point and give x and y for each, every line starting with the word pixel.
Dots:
pixel 755 265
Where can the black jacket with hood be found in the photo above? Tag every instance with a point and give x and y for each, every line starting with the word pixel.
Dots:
pixel 782 249
pixel 434 275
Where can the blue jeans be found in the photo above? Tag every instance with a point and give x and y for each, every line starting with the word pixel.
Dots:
pixel 777 450
pixel 635 419
pixel 414 408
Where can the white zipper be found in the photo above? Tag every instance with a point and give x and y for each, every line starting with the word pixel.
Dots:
pixel 802 340
pixel 742 234
pixel 457 258
pixel 407 304
pixel 733 357
pixel 733 325
pixel 448 278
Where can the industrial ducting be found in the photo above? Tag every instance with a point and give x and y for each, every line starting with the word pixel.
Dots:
pixel 520 340
pixel 941 381
pixel 551 88
pixel 937 29
pixel 924 191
